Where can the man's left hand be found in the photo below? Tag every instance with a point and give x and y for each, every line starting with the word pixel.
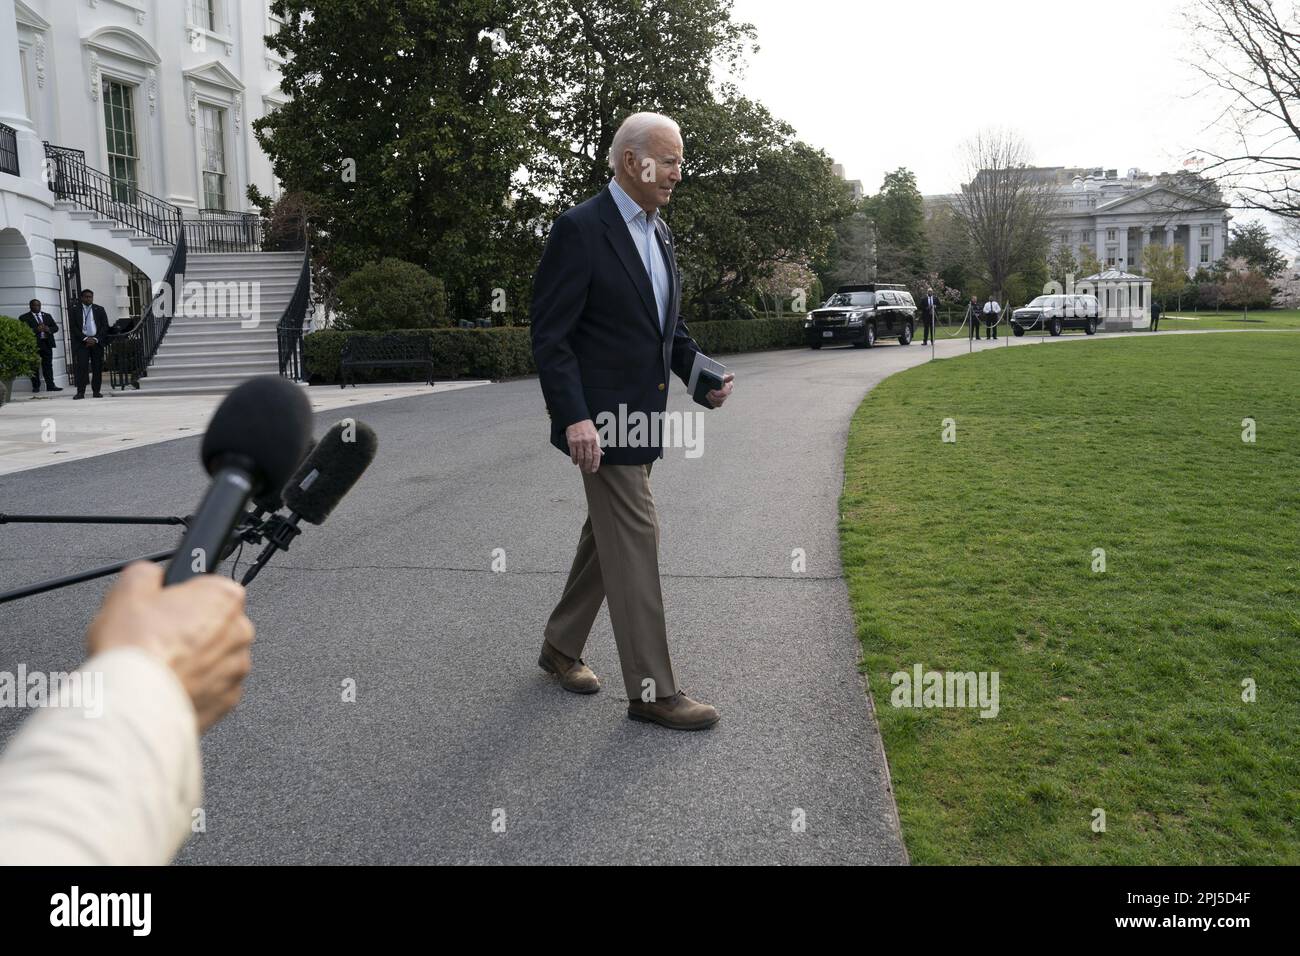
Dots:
pixel 719 395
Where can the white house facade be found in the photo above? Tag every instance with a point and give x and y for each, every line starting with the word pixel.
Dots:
pixel 1117 217
pixel 144 106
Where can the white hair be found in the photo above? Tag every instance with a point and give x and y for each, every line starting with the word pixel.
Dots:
pixel 634 134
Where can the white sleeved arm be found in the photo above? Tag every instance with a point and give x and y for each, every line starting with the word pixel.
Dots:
pixel 117 788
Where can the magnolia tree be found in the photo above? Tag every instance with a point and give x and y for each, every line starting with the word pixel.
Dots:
pixel 790 282
pixel 1245 287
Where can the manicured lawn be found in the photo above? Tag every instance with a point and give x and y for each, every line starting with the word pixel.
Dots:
pixel 1272 319
pixel 1120 690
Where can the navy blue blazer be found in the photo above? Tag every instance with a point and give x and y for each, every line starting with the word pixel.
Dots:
pixel 595 327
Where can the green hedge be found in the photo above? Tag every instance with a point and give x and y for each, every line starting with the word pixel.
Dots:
pixel 508 352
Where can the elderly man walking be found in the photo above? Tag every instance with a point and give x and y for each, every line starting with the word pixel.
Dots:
pixel 606 333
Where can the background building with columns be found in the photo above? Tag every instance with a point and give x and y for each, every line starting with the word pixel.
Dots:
pixel 155 95
pixel 1118 216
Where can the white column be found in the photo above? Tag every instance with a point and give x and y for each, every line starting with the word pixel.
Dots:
pixel 1121 258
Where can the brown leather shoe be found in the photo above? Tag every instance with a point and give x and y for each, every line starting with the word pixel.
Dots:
pixel 678 712
pixel 574 674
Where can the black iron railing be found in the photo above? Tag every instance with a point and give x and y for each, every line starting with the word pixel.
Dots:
pixel 117 199
pixel 8 150
pixel 289 328
pixel 128 355
pixel 221 230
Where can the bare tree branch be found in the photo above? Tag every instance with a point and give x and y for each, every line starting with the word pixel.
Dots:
pixel 1005 207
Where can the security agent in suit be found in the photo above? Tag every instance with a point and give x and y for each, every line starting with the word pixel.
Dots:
pixel 607 331
pixel 44 328
pixel 88 331
pixel 974 312
pixel 929 309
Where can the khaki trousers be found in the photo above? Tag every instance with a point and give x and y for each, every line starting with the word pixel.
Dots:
pixel 618 559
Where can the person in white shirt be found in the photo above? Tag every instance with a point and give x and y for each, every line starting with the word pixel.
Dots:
pixel 120 786
pixel 992 310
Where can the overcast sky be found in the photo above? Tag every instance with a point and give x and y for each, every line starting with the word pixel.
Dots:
pixel 880 85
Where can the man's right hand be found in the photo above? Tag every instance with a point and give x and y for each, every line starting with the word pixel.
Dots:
pixel 584 445
pixel 198 629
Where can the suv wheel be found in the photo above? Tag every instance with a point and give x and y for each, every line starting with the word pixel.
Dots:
pixel 1091 328
pixel 1018 330
pixel 1056 326
pixel 905 337
pixel 871 335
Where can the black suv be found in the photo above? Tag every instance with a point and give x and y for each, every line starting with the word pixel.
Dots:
pixel 1057 312
pixel 861 314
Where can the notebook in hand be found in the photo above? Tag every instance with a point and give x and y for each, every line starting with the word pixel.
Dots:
pixel 706 375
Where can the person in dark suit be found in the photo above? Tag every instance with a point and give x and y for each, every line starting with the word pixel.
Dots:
pixel 974 307
pixel 88 331
pixel 1156 312
pixel 606 334
pixel 929 310
pixel 44 328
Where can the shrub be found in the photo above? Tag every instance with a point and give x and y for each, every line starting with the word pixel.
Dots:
pixel 507 352
pixel 19 354
pixel 391 294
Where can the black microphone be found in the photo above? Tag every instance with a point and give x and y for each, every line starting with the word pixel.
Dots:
pixel 271 499
pixel 329 473
pixel 257 435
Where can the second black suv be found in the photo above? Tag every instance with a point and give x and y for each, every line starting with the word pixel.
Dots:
pixel 1057 312
pixel 862 314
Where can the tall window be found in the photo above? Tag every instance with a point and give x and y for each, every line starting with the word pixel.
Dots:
pixel 119 130
pixel 204 14
pixel 214 159
pixel 1205 252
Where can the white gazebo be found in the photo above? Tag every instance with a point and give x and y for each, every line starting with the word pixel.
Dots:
pixel 1125 299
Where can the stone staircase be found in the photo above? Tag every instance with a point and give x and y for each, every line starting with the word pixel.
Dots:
pixel 219 349
pixel 72 223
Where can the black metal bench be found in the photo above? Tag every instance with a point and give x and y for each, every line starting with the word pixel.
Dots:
pixel 384 351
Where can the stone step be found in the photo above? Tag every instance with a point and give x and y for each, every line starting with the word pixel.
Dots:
pixel 205 380
pixel 253 337
pixel 206 324
pixel 272 281
pixel 291 256
pixel 217 351
pixel 236 366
